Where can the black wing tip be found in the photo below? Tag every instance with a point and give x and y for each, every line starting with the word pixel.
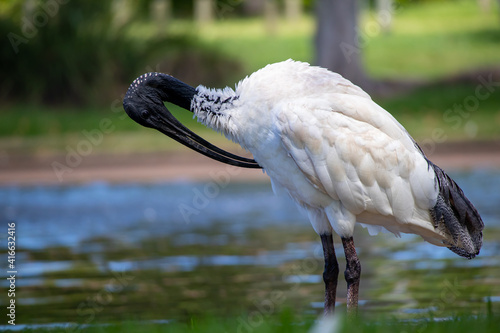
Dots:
pixel 463 253
pixel 458 217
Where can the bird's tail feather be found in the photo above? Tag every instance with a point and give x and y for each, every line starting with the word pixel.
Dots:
pixel 455 215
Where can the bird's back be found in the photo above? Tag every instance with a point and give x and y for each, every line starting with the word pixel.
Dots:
pixel 456 216
pixel 325 142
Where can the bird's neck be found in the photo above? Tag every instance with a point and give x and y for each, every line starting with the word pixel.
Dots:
pixel 213 108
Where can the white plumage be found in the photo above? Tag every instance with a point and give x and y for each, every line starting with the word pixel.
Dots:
pixel 327 144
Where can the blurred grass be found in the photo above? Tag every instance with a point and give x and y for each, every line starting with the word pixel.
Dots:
pixel 429 41
pixel 434 39
pixel 432 109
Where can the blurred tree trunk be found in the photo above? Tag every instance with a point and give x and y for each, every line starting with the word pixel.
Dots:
pixel 253 7
pixel 271 15
pixel 337 44
pixel 29 7
pixel 204 11
pixel 122 10
pixel 485 5
pixel 384 14
pixel 293 10
pixel 161 11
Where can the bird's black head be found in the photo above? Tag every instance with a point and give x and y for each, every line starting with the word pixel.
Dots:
pixel 144 114
pixel 145 96
pixel 144 103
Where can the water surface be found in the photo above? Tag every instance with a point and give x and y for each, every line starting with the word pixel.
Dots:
pixel 105 252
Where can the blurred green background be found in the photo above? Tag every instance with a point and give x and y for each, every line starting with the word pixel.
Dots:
pixel 66 64
pixel 65 67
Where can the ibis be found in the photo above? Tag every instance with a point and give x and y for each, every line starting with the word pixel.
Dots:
pixel 325 143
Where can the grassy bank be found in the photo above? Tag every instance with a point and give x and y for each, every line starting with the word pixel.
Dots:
pixel 439 113
pixel 428 42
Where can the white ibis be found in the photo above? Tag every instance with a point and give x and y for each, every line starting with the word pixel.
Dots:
pixel 323 141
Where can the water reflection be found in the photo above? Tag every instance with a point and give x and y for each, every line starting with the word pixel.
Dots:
pixel 105 252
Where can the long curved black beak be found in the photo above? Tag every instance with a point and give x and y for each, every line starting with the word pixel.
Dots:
pixel 147 94
pixel 173 128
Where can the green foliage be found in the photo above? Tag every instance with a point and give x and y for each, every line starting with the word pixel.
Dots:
pixel 82 52
pixel 64 53
pixel 443 106
pixel 74 61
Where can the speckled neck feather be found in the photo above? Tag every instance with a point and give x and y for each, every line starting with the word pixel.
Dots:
pixel 211 107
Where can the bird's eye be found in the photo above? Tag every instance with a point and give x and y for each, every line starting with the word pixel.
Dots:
pixel 145 114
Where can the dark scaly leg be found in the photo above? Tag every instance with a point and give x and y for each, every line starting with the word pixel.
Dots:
pixel 352 275
pixel 331 272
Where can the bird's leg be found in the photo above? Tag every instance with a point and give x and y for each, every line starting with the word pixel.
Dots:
pixel 331 272
pixel 352 275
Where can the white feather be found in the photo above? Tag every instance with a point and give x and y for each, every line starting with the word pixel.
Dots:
pixel 325 142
